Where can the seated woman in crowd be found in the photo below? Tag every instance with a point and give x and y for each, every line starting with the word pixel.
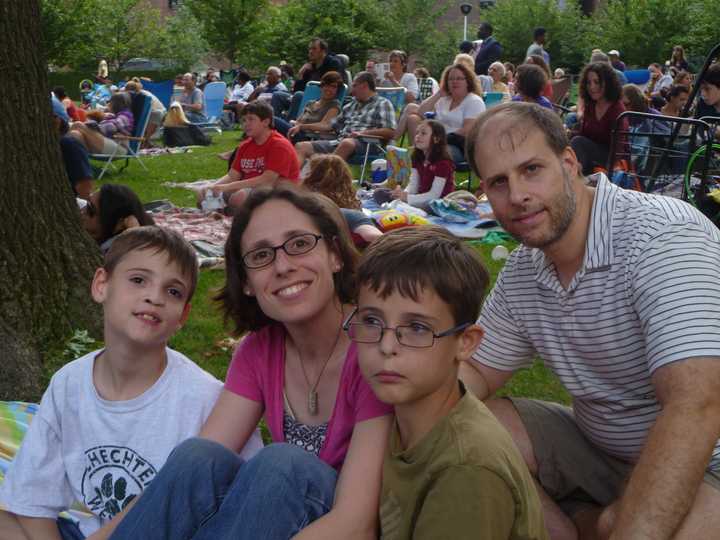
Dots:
pixel 496 70
pixel 241 91
pixel 677 98
pixel 111 210
pixel 485 81
pixel 539 61
pixel 97 137
pixel 455 106
pixel 432 176
pixel 398 76
pixel 530 81
pixel 683 78
pixel 600 93
pixel 330 175
pixel 290 284
pixel 318 114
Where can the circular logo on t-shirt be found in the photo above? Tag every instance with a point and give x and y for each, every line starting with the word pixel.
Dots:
pixel 113 476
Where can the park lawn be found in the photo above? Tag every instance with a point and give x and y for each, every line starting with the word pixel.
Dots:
pixel 204 338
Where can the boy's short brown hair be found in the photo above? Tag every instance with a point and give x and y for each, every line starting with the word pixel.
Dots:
pixel 177 249
pixel 414 258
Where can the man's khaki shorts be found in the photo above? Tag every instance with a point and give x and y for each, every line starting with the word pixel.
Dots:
pixel 571 470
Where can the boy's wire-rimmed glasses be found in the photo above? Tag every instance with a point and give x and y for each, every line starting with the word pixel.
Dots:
pixel 416 336
pixel 296 245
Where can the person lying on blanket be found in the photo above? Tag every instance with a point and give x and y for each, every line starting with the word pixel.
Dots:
pixel 109 420
pixel 263 158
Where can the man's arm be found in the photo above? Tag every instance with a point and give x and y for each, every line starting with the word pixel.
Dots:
pixel 664 483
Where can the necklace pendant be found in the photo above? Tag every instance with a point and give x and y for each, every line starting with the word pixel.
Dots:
pixel 312 402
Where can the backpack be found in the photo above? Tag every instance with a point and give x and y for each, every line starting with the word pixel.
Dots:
pixel 185 136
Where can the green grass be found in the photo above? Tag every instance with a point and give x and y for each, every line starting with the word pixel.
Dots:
pixel 204 339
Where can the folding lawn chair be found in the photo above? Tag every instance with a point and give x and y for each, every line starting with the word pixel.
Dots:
pixel 162 90
pixel 141 105
pixel 493 98
pixel 213 101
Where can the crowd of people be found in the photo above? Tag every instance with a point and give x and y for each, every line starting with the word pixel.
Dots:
pixel 377 373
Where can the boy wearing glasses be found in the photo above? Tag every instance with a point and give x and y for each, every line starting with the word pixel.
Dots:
pixel 450 470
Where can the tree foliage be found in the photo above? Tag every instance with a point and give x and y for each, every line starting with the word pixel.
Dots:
pixel 567 29
pixel 78 33
pixel 230 25
pixel 351 27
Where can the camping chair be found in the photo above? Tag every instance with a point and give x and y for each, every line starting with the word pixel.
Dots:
pixel 493 98
pixel 162 90
pixel 375 147
pixel 141 105
pixel 213 101
pixel 637 76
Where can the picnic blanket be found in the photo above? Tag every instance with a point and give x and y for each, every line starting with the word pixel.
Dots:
pixel 472 228
pixel 15 417
pixel 206 231
pixel 167 150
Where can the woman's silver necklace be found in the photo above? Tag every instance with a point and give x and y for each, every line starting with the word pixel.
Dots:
pixel 312 398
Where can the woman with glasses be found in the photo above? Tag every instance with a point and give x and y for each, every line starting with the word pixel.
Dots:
pixel 111 210
pixel 318 114
pixel 455 106
pixel 398 76
pixel 290 279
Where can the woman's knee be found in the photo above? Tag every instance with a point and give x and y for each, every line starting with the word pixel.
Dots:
pixel 197 454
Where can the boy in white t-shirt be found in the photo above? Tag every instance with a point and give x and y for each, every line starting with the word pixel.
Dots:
pixel 109 420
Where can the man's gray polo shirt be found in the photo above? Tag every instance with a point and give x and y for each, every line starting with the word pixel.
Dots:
pixel 647 294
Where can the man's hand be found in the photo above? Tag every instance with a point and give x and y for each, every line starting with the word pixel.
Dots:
pixel 306 66
pixel 293 130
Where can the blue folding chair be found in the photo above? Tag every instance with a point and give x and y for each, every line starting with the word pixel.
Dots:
pixel 141 107
pixel 493 98
pixel 637 76
pixel 213 101
pixel 162 90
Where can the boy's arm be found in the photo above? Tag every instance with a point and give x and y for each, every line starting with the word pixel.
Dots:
pixel 267 178
pixel 466 503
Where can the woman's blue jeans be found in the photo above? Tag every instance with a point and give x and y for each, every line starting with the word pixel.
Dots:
pixel 206 492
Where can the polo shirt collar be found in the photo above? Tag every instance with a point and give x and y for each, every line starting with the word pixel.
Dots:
pixel 598 248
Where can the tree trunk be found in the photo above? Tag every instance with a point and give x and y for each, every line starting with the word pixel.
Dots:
pixel 46 259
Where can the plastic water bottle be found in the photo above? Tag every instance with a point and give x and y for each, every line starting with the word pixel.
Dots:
pixel 212 202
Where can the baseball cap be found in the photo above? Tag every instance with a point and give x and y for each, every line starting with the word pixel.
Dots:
pixel 614 52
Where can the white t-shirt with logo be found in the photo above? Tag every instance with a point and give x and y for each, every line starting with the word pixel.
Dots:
pixel 102 454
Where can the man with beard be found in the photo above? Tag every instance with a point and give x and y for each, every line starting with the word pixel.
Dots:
pixel 617 292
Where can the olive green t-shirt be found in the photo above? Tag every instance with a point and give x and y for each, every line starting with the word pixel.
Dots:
pixel 464 479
